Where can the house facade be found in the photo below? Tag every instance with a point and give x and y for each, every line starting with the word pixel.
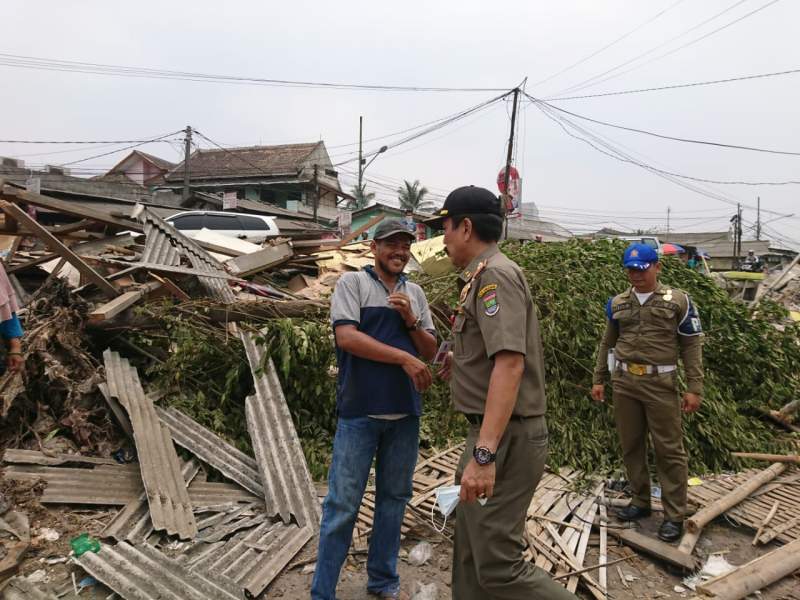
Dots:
pixel 142 168
pixel 363 216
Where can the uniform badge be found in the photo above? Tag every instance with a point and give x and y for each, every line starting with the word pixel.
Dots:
pixel 668 295
pixel 489 299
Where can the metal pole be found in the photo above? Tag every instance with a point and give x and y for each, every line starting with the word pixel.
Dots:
pixel 507 175
pixel 668 211
pixel 186 152
pixel 360 151
pixel 758 219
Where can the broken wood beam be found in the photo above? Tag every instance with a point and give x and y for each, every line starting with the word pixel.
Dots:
pixel 755 575
pixel 708 513
pixel 766 521
pixel 111 309
pixel 250 264
pixel 773 458
pixel 55 244
pixel 654 547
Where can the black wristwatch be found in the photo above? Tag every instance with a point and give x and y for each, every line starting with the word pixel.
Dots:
pixel 417 325
pixel 483 456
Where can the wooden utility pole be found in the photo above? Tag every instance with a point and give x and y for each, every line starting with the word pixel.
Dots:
pixel 360 152
pixel 316 191
pixel 758 219
pixel 668 212
pixel 507 175
pixel 186 152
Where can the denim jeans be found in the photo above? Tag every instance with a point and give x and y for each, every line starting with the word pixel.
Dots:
pixel 394 445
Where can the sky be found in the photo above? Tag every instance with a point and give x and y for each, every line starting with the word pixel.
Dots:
pixel 553 47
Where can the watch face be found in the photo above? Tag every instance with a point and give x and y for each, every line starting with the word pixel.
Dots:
pixel 482 456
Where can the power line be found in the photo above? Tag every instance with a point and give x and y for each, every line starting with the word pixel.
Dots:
pixel 49 64
pixel 108 142
pixel 609 45
pixel 663 136
pixel 597 79
pixel 678 86
pixel 80 160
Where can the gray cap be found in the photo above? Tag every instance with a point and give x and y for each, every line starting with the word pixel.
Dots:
pixel 389 227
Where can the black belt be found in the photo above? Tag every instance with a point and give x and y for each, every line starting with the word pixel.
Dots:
pixel 476 419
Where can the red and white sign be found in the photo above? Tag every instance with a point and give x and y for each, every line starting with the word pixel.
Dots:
pixel 513 196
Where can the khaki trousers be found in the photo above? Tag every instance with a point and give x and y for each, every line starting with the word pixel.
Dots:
pixel 489 540
pixel 645 403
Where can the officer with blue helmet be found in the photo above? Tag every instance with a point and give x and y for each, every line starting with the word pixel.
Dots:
pixel 649 327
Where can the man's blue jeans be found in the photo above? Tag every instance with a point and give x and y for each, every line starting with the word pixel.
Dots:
pixel 394 445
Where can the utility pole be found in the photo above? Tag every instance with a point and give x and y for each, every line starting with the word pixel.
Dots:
pixel 186 152
pixel 507 175
pixel 360 152
pixel 316 191
pixel 758 219
pixel 737 235
pixel 669 209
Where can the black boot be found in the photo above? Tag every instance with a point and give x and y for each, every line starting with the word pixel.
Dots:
pixel 670 531
pixel 633 513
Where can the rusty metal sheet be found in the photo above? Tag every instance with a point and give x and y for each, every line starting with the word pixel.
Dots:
pixel 20 589
pixel 144 573
pixel 168 245
pixel 167 496
pixel 253 559
pixel 132 522
pixel 288 488
pixel 213 450
pixel 33 457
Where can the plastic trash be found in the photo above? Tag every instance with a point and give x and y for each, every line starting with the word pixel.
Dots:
pixel 715 566
pixel 420 554
pixel 83 544
pixel 425 592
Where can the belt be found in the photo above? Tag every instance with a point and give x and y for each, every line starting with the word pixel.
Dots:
pixel 637 369
pixel 476 419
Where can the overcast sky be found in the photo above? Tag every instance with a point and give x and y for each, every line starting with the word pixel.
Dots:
pixel 443 44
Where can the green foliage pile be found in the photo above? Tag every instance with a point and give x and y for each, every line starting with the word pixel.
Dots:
pixel 750 364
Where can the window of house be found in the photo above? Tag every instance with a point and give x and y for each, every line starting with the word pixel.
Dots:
pixel 267 196
pixel 240 194
pixel 295 195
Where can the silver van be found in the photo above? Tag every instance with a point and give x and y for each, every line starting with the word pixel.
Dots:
pixel 253 228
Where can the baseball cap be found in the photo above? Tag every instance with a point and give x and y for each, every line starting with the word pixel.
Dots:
pixel 466 200
pixel 639 256
pixel 388 228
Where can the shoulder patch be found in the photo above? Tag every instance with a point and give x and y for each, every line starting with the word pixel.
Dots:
pixel 488 296
pixel 690 325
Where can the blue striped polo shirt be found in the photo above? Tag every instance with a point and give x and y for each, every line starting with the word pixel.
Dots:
pixel 367 387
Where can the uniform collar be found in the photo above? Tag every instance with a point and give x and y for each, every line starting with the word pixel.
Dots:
pixel 468 273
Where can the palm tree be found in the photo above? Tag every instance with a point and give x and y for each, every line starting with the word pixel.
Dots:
pixel 362 197
pixel 411 197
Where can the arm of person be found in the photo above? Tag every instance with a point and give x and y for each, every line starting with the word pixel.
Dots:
pixel 608 341
pixel 11 332
pixel 690 345
pixel 423 337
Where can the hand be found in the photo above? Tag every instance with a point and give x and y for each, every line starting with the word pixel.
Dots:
pixel 598 392
pixel 691 402
pixel 14 362
pixel 402 304
pixel 446 369
pixel 477 481
pixel 418 372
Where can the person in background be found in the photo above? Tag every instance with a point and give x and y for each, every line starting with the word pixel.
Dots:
pixel 10 327
pixel 382 327
pixel 409 221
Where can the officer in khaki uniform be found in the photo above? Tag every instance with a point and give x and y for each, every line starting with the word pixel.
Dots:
pixel 497 381
pixel 649 327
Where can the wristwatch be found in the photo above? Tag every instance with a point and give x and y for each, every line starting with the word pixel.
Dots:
pixel 483 456
pixel 417 325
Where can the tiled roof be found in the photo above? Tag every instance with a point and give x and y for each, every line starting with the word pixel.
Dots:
pixel 253 161
pixel 159 162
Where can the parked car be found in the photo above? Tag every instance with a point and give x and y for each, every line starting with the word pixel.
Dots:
pixel 253 228
pixel 649 240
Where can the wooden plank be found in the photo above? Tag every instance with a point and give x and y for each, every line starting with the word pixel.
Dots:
pixel 60 249
pixel 654 547
pixel 353 235
pixel 766 521
pixel 773 458
pixel 171 287
pixel 111 309
pixel 249 264
pixel 602 574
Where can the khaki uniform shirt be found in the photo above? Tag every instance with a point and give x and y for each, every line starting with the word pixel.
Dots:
pixel 496 313
pixel 666 327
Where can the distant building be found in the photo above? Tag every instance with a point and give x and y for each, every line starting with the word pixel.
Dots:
pixel 140 167
pixel 530 227
pixel 720 246
pixel 362 217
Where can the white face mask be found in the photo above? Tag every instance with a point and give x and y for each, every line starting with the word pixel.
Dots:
pixel 447 497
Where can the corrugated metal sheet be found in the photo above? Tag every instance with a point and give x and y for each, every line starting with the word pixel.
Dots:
pixel 288 487
pixel 212 449
pixel 207 493
pixel 144 573
pixel 253 559
pixel 33 457
pixel 132 522
pixel 167 496
pixel 19 589
pixel 169 244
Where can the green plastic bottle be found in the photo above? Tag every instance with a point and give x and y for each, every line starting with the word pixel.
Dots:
pixel 83 544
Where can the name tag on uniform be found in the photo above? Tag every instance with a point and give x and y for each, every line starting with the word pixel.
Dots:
pixel 441 354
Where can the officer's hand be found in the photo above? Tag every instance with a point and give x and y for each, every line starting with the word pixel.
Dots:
pixel 477 481
pixel 447 367
pixel 402 304
pixel 598 393
pixel 691 402
pixel 419 373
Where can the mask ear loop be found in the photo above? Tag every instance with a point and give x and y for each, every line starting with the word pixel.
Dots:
pixel 433 521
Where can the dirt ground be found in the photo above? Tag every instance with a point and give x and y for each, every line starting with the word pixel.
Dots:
pixel 644 579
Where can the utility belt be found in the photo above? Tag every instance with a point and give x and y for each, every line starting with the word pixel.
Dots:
pixel 637 369
pixel 476 419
